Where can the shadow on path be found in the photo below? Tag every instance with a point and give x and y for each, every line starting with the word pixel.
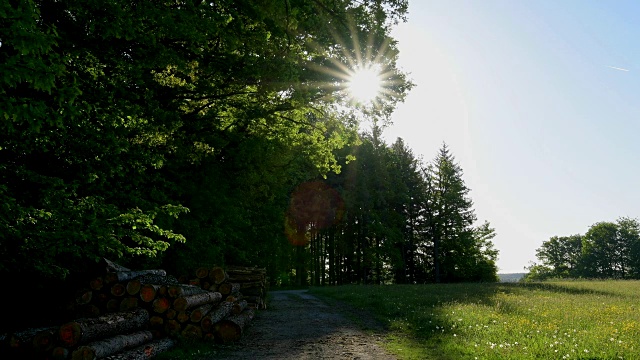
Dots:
pixel 298 325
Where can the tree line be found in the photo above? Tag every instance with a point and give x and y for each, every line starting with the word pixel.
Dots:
pixel 179 134
pixel 608 250
pixel 388 217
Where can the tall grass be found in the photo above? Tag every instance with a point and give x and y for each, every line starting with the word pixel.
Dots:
pixel 551 320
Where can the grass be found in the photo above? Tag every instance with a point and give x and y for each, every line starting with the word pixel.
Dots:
pixel 551 320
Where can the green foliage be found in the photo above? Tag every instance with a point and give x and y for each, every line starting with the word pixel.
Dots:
pixel 607 250
pixel 116 117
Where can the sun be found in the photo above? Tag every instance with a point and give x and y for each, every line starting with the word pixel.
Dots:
pixel 364 84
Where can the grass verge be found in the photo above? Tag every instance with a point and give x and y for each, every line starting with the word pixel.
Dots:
pixel 551 320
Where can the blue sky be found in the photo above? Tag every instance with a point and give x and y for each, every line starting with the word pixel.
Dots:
pixel 526 95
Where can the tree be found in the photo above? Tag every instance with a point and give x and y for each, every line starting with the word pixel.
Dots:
pixel 108 107
pixel 453 216
pixel 562 255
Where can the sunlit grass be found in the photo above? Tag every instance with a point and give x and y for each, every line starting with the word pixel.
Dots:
pixel 552 320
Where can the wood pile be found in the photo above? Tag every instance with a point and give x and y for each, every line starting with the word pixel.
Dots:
pixel 125 314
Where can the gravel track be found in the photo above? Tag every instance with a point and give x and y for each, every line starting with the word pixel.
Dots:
pixel 298 325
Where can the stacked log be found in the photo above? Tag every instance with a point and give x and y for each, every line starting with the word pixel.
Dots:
pixel 124 314
pixel 252 283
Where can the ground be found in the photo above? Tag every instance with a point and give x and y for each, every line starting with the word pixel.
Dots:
pixel 298 325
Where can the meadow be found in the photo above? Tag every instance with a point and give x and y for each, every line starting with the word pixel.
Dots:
pixel 549 320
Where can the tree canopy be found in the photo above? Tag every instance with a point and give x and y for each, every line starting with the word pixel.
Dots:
pixel 608 250
pixel 117 117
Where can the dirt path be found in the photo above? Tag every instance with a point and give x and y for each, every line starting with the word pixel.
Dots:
pixel 298 325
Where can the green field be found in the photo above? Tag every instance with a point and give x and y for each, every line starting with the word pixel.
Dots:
pixel 551 320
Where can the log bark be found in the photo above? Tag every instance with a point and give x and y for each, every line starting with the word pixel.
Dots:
pixel 192 332
pixel 158 279
pixel 245 269
pixel 84 296
pixel 89 311
pixel 198 313
pixel 171 314
pixel 110 346
pixel 122 276
pixel 231 328
pixel 145 351
pixel 83 331
pixel 156 321
pixel 60 353
pixel 96 283
pixel 187 302
pixel 108 266
pixel 218 313
pixel 183 317
pixel 113 305
pixel 252 284
pixel 172 327
pixel 217 275
pixel 239 307
pixel 246 278
pixel 45 340
pixel 128 304
pixel 228 288
pixel 181 290
pixel 26 339
pixel 253 292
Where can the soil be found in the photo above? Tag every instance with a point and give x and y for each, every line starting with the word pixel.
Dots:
pixel 298 325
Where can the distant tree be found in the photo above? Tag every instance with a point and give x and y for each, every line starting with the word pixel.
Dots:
pixel 602 254
pixel 562 255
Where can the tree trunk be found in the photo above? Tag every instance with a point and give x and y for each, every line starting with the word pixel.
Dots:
pixel 145 351
pixel 218 313
pixel 83 331
pixel 231 328
pixel 186 302
pixel 181 290
pixel 110 346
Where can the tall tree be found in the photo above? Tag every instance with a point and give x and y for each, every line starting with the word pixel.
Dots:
pixel 451 225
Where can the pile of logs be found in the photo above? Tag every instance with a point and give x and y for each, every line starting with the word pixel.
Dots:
pixel 125 314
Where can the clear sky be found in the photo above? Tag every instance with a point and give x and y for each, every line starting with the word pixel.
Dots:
pixel 539 101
